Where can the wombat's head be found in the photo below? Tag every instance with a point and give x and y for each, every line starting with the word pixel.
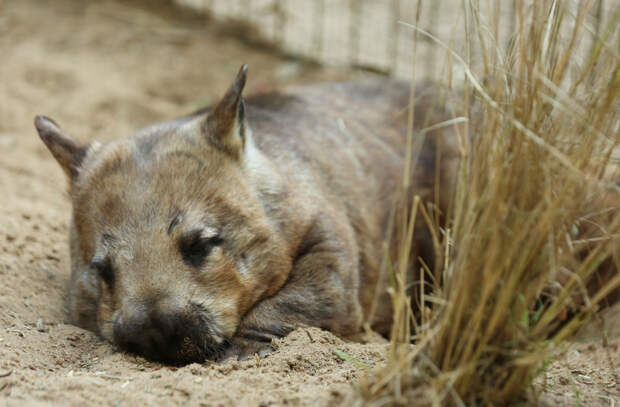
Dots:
pixel 170 243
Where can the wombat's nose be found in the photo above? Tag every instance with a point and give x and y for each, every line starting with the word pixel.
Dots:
pixel 152 333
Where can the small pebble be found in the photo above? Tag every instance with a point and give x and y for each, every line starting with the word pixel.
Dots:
pixel 40 326
pixel 585 379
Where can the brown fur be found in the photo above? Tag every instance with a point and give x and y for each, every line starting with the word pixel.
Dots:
pixel 219 231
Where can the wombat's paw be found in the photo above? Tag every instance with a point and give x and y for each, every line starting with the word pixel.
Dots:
pixel 243 349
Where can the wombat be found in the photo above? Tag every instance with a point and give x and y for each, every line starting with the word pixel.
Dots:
pixel 210 235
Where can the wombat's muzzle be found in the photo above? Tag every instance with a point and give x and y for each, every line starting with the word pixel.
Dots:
pixel 171 337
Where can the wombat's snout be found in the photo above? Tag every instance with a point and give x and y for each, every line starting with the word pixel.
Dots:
pixel 167 336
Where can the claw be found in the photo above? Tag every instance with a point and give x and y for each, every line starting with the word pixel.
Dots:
pixel 265 352
pixel 243 349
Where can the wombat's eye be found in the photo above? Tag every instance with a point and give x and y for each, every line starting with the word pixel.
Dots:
pixel 195 248
pixel 105 270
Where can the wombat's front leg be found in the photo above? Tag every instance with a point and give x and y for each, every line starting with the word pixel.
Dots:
pixel 322 291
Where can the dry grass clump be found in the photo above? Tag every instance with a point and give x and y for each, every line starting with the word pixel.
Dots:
pixel 532 246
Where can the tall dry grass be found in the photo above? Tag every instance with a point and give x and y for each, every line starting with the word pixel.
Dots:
pixel 532 245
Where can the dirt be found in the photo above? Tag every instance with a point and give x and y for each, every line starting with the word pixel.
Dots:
pixel 103 69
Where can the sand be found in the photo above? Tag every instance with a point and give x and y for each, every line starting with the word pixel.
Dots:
pixel 104 69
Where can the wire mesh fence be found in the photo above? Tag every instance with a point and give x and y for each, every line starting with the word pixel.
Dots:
pixel 378 35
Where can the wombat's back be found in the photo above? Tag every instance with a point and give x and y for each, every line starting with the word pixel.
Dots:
pixel 345 143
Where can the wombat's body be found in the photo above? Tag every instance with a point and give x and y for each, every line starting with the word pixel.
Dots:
pixel 217 232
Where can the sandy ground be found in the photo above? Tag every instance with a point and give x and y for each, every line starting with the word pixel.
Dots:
pixel 104 69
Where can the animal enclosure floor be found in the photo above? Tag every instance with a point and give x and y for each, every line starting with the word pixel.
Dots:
pixel 103 69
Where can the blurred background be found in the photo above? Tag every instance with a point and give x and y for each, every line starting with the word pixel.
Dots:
pixel 374 35
pixel 353 33
pixel 197 46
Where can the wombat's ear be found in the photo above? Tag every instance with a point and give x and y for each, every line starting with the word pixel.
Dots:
pixel 225 126
pixel 64 149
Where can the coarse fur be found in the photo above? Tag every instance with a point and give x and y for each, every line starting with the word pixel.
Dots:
pixel 212 234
